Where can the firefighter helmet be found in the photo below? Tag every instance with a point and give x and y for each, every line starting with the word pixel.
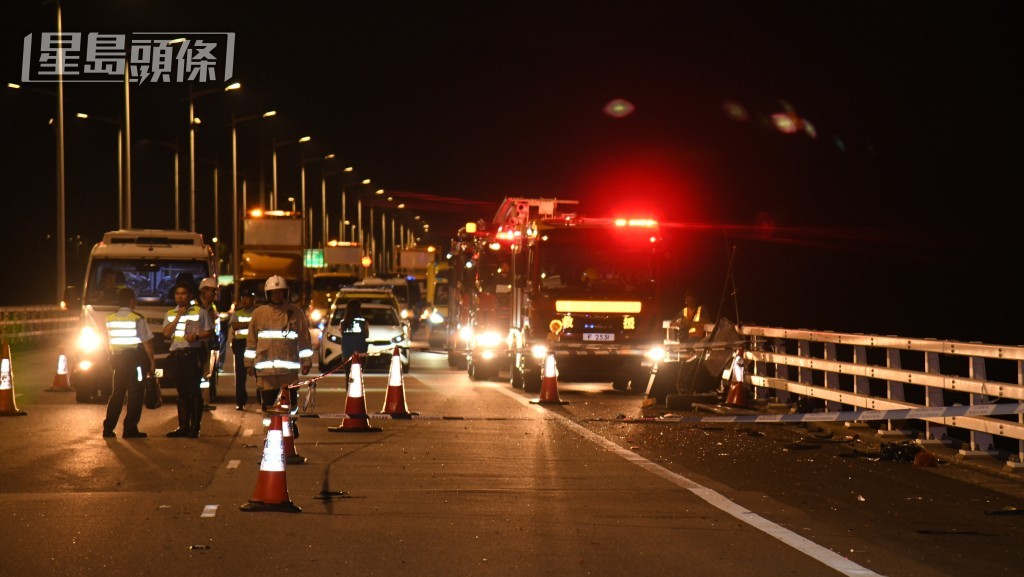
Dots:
pixel 208 282
pixel 274 283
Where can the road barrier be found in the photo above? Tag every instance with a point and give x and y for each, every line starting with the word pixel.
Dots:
pixel 890 373
pixel 32 324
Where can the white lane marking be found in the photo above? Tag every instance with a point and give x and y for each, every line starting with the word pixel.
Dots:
pixel 233 463
pixel 713 498
pixel 209 511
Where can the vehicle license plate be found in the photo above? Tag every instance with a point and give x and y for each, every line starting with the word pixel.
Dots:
pixel 603 337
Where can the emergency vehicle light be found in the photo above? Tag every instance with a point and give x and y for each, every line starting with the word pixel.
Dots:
pixel 614 307
pixel 642 222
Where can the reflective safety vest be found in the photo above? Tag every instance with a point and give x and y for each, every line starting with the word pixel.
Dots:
pixel 243 316
pixel 692 316
pixel 122 331
pixel 192 314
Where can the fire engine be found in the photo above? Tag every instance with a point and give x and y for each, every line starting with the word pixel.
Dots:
pixel 539 279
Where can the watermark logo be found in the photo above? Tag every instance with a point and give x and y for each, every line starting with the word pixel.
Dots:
pixel 147 57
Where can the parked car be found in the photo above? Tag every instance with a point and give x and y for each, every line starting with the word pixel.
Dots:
pixel 387 331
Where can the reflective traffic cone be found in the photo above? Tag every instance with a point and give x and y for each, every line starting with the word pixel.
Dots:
pixel 737 395
pixel 549 384
pixel 355 404
pixel 61 384
pixel 8 408
pixel 290 455
pixel 271 492
pixel 394 402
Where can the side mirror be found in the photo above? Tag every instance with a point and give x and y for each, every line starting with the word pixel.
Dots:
pixel 72 298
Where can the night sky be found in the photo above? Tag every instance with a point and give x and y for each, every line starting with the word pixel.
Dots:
pixel 889 210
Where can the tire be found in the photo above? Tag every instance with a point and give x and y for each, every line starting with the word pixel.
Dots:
pixel 516 378
pixel 457 361
pixel 531 381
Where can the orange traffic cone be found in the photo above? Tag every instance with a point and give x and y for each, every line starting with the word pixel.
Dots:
pixel 61 384
pixel 290 455
pixel 394 402
pixel 549 384
pixel 271 492
pixel 355 404
pixel 8 408
pixel 737 395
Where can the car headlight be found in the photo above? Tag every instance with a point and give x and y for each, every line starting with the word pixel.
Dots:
pixel 85 365
pixel 466 334
pixel 397 339
pixel 315 316
pixel 89 340
pixel 436 318
pixel 426 314
pixel 406 314
pixel 539 351
pixel 656 354
pixel 489 339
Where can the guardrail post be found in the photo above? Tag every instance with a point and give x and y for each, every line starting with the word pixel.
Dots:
pixel 759 368
pixel 894 391
pixel 981 442
pixel 831 378
pixel 1011 465
pixel 804 376
pixel 933 398
pixel 781 371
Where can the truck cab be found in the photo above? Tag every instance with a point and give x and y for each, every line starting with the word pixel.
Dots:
pixel 150 262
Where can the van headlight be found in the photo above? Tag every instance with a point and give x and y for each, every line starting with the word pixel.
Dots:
pixel 539 351
pixel 656 354
pixel 489 339
pixel 436 318
pixel 89 340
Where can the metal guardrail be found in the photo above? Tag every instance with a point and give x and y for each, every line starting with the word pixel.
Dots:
pixel 31 324
pixel 889 372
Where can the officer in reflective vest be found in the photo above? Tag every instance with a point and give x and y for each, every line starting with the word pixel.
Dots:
pixel 688 322
pixel 187 327
pixel 131 356
pixel 240 327
pixel 206 301
pixel 278 346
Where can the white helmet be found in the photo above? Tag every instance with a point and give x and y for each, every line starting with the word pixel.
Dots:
pixel 208 282
pixel 274 283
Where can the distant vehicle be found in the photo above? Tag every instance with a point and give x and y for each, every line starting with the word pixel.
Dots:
pixel 324 287
pixel 387 331
pixel 272 244
pixel 150 262
pixel 436 312
pixel 407 293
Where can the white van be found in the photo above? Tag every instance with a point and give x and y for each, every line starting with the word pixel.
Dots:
pixel 150 262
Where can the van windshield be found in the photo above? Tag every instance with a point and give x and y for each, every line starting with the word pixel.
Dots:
pixel 152 280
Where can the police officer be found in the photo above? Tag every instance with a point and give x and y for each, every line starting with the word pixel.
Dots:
pixel 240 327
pixel 207 302
pixel 187 326
pixel 131 357
pixel 278 346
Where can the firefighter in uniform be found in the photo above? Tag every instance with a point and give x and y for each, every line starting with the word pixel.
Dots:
pixel 240 328
pixel 687 322
pixel 131 357
pixel 277 347
pixel 187 326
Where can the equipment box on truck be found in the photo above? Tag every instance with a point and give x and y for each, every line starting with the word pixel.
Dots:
pixel 150 262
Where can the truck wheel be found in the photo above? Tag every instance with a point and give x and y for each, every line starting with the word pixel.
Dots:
pixel 457 360
pixel 531 381
pixel 516 377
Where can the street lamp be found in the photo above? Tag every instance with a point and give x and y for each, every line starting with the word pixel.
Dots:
pixel 120 164
pixel 323 191
pixel 323 201
pixel 177 199
pixel 273 197
pixel 236 249
pixel 192 122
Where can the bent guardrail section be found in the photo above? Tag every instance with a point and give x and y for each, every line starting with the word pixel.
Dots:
pixel 895 373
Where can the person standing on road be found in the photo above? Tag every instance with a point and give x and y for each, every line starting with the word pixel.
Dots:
pixel 206 301
pixel 688 322
pixel 354 333
pixel 277 347
pixel 131 357
pixel 240 329
pixel 187 326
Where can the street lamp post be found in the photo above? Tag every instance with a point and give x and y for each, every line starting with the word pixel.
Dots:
pixel 177 198
pixel 192 122
pixel 236 249
pixel 121 208
pixel 323 191
pixel 273 197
